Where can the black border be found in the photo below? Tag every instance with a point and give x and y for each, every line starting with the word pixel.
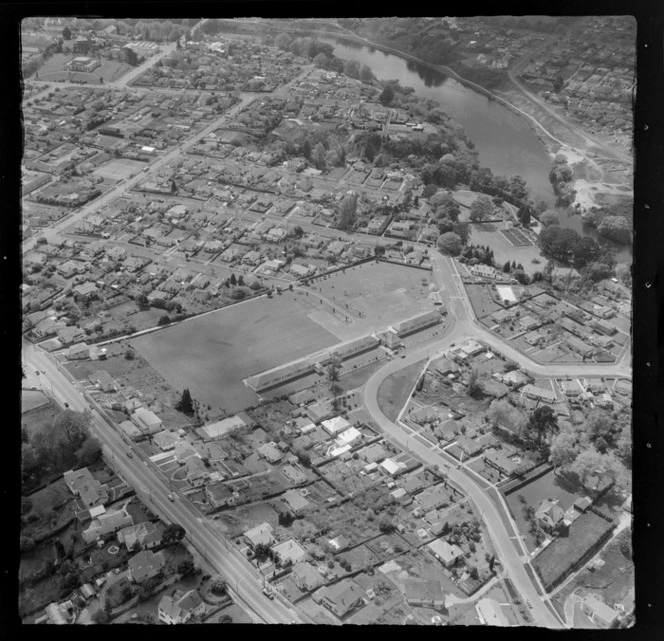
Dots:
pixel 648 267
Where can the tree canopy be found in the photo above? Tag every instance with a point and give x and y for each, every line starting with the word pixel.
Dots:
pixel 450 244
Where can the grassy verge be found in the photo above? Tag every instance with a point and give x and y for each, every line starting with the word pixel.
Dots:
pixel 395 389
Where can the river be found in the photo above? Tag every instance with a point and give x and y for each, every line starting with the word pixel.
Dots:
pixel 504 140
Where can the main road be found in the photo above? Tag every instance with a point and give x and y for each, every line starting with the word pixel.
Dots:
pixel 242 577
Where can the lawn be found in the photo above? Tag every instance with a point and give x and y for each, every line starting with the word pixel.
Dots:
pixel 212 354
pixel 119 169
pixel 565 551
pixel 489 234
pixel 614 581
pixel 34 420
pixel 482 300
pixel 547 486
pixel 396 388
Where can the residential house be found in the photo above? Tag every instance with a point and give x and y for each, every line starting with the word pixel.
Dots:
pixel 69 334
pixel 424 594
pixel 104 381
pixel 336 425
pixel 295 502
pixel 293 474
pixel 261 534
pixel 270 452
pixel 219 495
pixel 165 440
pixel 391 468
pixel 82 484
pixel 146 420
pixel 539 394
pixel 306 577
pixel 145 536
pixel 550 514
pixel 599 612
pixel 497 460
pixel 484 271
pixel 77 352
pixel 289 551
pixel 145 565
pixel 447 554
pixel 181 607
pixel 515 378
pixel 469 446
pixel 106 523
pixel 197 473
pixel 343 597
pixel 339 543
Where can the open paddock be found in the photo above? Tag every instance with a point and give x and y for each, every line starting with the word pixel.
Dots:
pixel 492 234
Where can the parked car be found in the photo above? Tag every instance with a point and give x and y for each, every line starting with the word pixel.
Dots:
pixel 130 455
pixel 268 593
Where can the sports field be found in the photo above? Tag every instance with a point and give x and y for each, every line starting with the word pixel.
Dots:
pixel 372 295
pixel 118 169
pixel 211 355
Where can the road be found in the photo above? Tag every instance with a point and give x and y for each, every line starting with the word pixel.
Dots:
pixel 241 576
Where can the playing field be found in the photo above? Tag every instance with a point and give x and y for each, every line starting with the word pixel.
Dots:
pixel 372 295
pixel 211 355
pixel 119 169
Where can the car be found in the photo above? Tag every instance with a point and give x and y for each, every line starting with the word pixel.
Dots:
pixel 268 593
pixel 130 455
pixel 403 356
pixel 171 498
pixel 116 571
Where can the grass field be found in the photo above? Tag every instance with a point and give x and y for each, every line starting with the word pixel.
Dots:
pixel 375 295
pixel 54 69
pixel 584 533
pixel 118 169
pixel 489 234
pixel 211 355
pixel 395 389
pixel 481 300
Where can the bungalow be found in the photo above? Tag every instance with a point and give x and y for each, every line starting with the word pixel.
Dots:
pixel 219 495
pixel 260 535
pixel 289 551
pixel 348 437
pixel 295 502
pixel 302 271
pixel 106 523
pixel 499 461
pixel 270 452
pixel 146 420
pixel 336 425
pixel 529 322
pixel 599 612
pixel 306 577
pixel 68 335
pixel 76 352
pixel 145 565
pixel 343 597
pixel 549 513
pixel 484 271
pixel 446 367
pixel 579 346
pixel 103 380
pixel 570 388
pixel 515 378
pixel 180 607
pixel 165 440
pixel 293 474
pixel 339 543
pixel 539 394
pixel 602 327
pixel 447 554
pixel 145 536
pixel 85 290
pixel 469 446
pixel 390 467
pixel 424 594
pixel 197 473
pixel 336 248
pixel 81 483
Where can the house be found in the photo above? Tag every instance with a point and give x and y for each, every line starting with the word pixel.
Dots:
pixel 549 513
pixel 219 495
pixel 180 607
pixel 539 393
pixel 599 612
pixel 306 577
pixel 60 613
pixel 270 452
pixel 251 258
pixel 104 381
pixel 343 597
pixel 295 502
pixel 145 536
pixel 515 378
pixel 106 523
pixel 499 461
pixel 424 594
pixel 490 613
pixel 91 491
pixel 447 554
pixel 70 334
pixel 446 367
pixel 293 474
pixel 197 473
pixel 165 440
pixel 289 551
pixel 484 271
pixel 86 290
pixel 348 437
pixel 146 420
pixel 87 592
pixel 339 543
pixel 469 446
pixel 260 535
pixel 77 352
pixel 335 425
pixel 390 467
pixel 145 565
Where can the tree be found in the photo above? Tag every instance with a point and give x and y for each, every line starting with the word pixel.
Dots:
pixel 564 449
pixel 233 280
pixel 475 389
pixel 318 156
pixel 429 190
pixel 347 210
pixel 74 426
pixel 321 60
pixel 549 218
pixel 185 404
pixel 481 209
pixel 66 33
pixel 129 354
pixel 599 424
pixel 558 84
pixel 615 228
pixel 173 533
pixel 352 68
pixel 542 421
pixel 366 75
pixel 585 251
pixel 450 244
pixel 462 230
pixel 186 568
pixel 387 95
pixel 164 319
pixel 131 56
pixel 142 300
